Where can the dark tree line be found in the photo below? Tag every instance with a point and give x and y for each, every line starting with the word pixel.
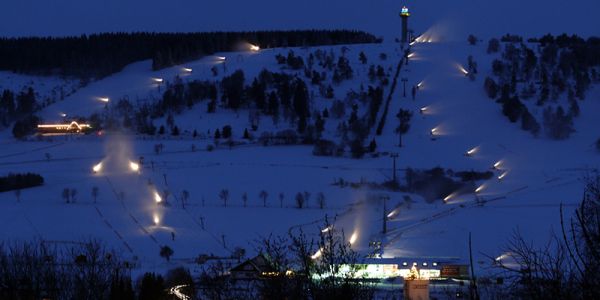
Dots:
pixel 20 181
pixel 99 55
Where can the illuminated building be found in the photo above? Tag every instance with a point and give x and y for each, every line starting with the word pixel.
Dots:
pixel 73 127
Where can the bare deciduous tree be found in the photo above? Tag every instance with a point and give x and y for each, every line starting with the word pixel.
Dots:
pixel 264 195
pixel 224 196
pixel 321 200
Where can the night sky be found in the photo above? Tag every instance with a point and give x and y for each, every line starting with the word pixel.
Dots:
pixel 458 18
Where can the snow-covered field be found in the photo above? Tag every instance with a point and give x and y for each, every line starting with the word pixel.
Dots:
pixel 539 173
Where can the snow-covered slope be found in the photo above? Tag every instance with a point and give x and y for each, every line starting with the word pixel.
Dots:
pixel 541 173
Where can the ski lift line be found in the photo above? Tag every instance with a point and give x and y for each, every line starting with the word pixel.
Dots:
pixel 114 230
pixel 209 233
pixel 150 235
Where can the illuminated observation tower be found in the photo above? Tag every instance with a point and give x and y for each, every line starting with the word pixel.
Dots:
pixel 404 14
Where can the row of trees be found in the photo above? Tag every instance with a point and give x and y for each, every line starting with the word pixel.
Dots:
pixel 99 55
pixel 323 267
pixel 301 200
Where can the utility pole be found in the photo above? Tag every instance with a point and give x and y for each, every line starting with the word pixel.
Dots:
pixel 385 198
pixel 404 80
pixel 394 156
pixel 474 294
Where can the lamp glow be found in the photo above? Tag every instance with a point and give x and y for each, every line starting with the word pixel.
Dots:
pixel 134 167
pixel 97 168
pixel 254 48
pixel 471 152
pixel 353 238
pixel 502 176
pixel 157 197
pixel 497 165
pixel 103 99
pixel 448 197
pixel 480 188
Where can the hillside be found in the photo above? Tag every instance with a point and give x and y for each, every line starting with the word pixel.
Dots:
pixel 537 177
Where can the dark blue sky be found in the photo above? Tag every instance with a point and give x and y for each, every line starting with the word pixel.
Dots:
pixel 459 17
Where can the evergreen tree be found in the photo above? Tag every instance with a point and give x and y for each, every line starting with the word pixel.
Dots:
pixel 372 146
pixel 513 109
pixel 175 131
pixel 362 57
pixel 491 88
pixel 227 132
pixel 26 102
pixel 529 123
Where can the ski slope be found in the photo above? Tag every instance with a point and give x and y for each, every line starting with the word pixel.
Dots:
pixel 540 173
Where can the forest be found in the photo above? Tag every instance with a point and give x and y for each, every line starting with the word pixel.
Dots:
pixel 541 71
pixel 99 55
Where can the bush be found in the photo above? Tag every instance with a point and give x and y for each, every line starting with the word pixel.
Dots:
pixel 472 40
pixel 20 181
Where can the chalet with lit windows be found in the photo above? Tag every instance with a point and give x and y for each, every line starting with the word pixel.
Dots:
pixel 71 128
